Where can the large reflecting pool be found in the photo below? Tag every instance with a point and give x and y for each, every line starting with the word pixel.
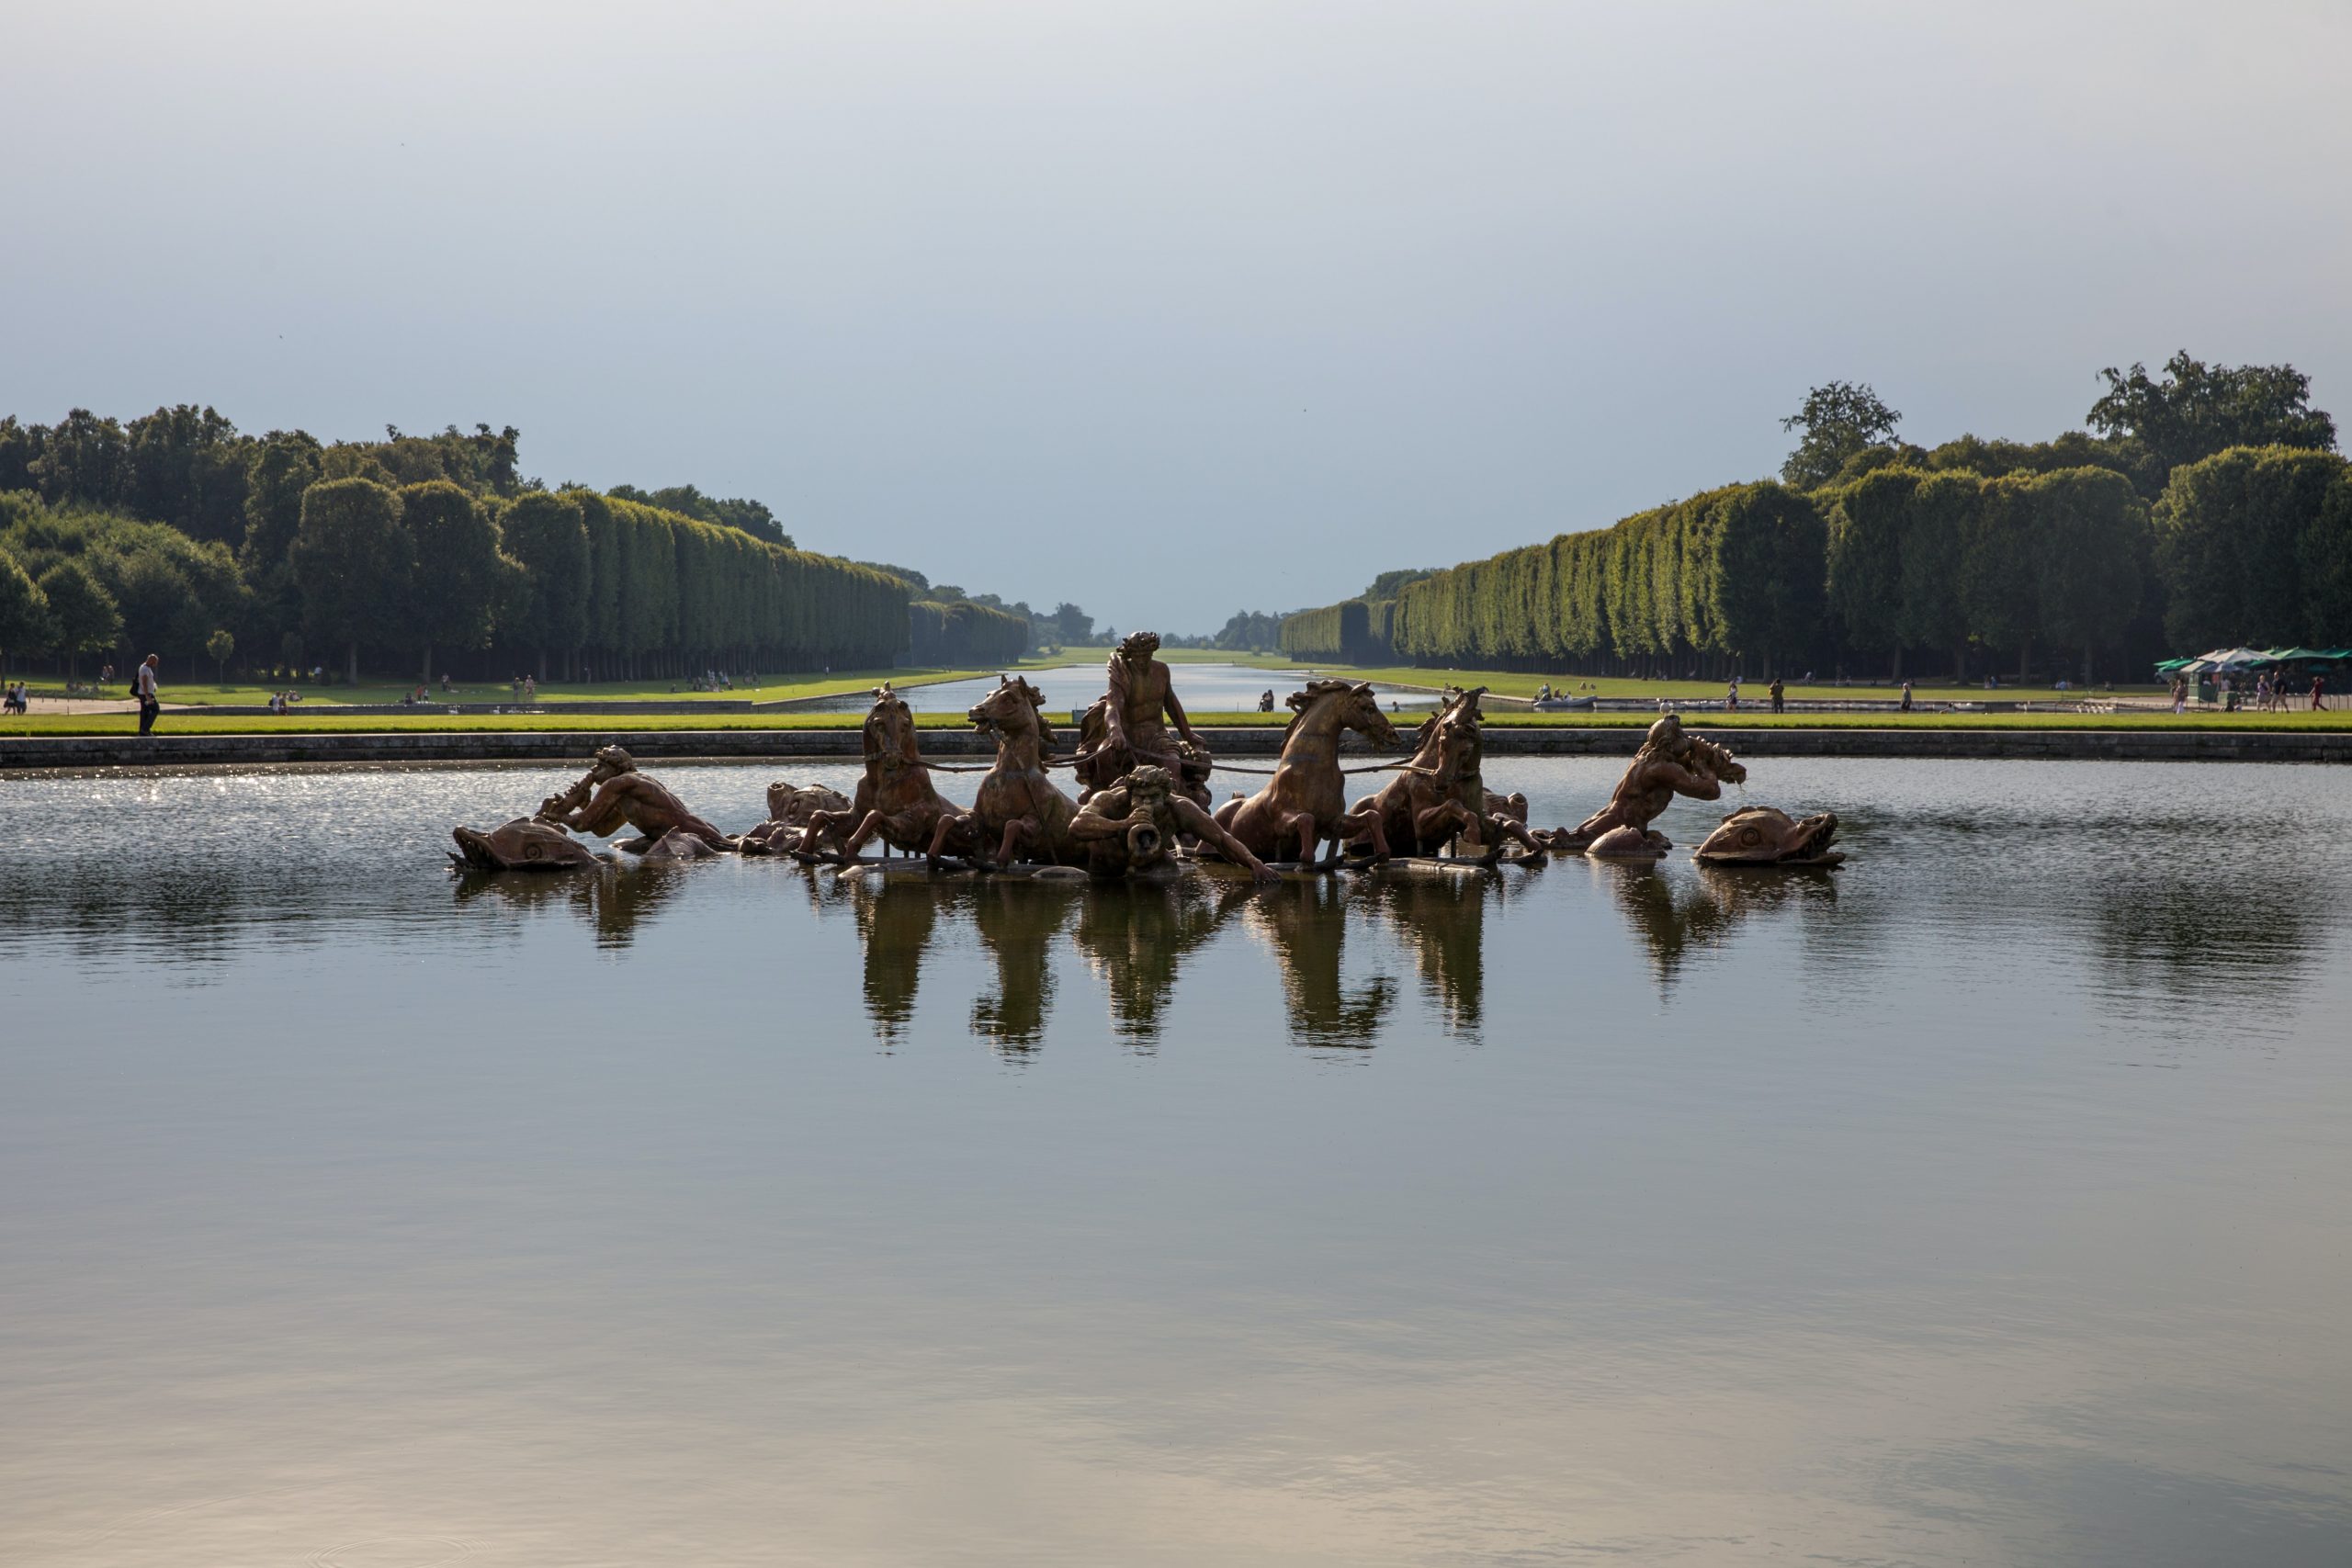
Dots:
pixel 1984 1204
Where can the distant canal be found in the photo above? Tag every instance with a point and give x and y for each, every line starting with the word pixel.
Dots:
pixel 1982 1202
pixel 1205 688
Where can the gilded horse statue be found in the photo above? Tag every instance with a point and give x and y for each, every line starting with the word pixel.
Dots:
pixel 1018 812
pixel 896 800
pixel 1305 802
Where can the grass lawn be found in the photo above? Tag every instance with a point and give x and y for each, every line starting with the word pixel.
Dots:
pixel 1511 684
pixel 772 689
pixel 1514 684
pixel 329 723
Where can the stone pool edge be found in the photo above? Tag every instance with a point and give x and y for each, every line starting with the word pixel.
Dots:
pixel 53 754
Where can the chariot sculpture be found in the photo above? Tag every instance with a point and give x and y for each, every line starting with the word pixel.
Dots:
pixel 1143 774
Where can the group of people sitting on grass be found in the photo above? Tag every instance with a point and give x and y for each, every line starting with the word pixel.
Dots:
pixel 283 702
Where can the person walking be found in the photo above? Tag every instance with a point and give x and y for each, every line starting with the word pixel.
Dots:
pixel 1907 696
pixel 143 685
pixel 2319 693
pixel 1780 695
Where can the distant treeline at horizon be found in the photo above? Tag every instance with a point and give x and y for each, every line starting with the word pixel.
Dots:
pixel 2211 507
pixel 175 534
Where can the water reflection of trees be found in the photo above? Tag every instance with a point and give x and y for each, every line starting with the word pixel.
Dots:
pixel 2166 931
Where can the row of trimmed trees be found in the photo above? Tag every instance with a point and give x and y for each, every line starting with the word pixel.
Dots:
pixel 568 580
pixel 961 633
pixel 1356 631
pixel 1731 571
pixel 578 578
pixel 165 532
pixel 2252 545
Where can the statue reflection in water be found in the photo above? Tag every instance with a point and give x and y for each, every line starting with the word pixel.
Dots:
pixel 1018 922
pixel 1442 922
pixel 1137 937
pixel 1677 914
pixel 1304 925
pixel 614 902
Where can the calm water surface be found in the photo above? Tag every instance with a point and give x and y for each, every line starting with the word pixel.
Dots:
pixel 1983 1204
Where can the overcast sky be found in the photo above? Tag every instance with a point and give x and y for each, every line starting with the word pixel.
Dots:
pixel 1172 310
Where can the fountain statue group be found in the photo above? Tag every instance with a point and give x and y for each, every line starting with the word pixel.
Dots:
pixel 1144 805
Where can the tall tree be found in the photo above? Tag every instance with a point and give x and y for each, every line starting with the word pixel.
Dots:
pixel 82 615
pixel 1997 571
pixel 544 532
pixel 2090 534
pixel 1866 539
pixel 2323 563
pixel 2199 408
pixel 354 563
pixel 459 568
pixel 186 466
pixel 2231 531
pixel 1936 526
pixel 20 446
pixel 279 468
pixel 83 460
pixel 24 610
pixel 1840 420
pixel 751 516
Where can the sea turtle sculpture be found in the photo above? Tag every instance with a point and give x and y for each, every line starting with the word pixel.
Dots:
pixel 1766 836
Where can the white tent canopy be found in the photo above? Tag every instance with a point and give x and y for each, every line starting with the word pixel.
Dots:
pixel 2227 659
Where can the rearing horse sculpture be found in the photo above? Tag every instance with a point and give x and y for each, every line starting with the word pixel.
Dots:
pixel 1428 802
pixel 1307 801
pixel 896 800
pixel 1018 811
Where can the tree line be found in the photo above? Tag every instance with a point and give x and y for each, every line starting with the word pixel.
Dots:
pixel 2208 508
pixel 961 634
pixel 176 534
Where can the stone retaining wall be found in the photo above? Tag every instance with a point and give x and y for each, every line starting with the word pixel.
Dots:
pixel 42 752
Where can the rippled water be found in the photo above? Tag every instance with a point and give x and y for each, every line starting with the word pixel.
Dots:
pixel 1982 1203
pixel 1202 688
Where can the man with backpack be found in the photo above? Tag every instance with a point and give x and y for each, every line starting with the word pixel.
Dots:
pixel 142 686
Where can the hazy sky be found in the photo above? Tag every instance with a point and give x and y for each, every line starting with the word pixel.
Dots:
pixel 1173 309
